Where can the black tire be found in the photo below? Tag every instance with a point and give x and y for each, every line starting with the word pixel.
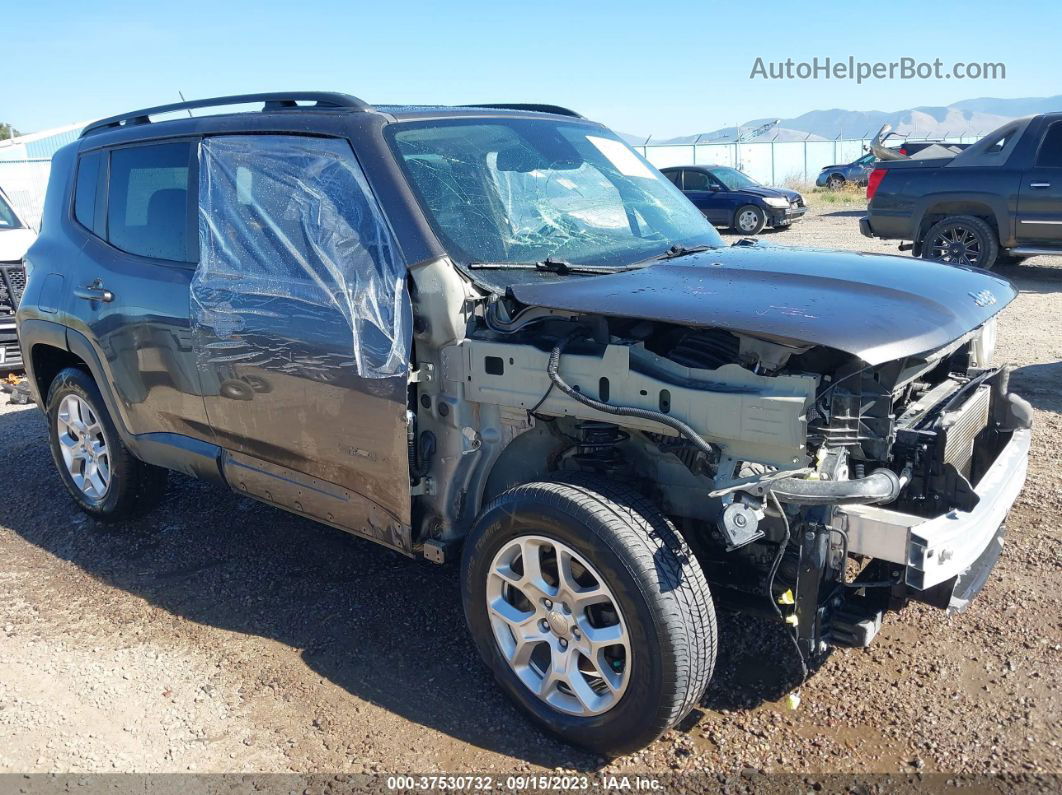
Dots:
pixel 961 240
pixel 659 588
pixel 134 487
pixel 752 228
pixel 835 182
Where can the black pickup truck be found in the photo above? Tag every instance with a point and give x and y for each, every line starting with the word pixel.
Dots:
pixel 998 201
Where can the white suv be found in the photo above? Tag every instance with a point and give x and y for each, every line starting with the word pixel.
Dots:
pixel 15 237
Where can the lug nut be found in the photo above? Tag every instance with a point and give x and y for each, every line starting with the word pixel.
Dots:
pixel 547 603
pixel 575 634
pixel 543 625
pixel 563 643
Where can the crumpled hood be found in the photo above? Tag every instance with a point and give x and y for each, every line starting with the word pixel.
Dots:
pixel 873 306
pixel 14 242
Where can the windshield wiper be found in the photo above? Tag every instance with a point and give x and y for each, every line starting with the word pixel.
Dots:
pixel 548 265
pixel 682 251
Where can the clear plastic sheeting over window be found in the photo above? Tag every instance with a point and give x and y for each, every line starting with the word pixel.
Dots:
pixel 291 238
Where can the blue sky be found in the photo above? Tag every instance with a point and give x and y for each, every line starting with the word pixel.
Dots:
pixel 669 67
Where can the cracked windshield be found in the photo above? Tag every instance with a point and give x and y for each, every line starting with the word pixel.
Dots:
pixel 508 195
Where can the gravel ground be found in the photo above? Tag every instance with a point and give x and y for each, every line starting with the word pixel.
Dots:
pixel 223 635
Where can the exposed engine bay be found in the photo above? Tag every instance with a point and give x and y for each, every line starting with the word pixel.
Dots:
pixel 751 445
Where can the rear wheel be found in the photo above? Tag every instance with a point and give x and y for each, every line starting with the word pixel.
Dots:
pixel 962 240
pixel 749 220
pixel 590 610
pixel 99 471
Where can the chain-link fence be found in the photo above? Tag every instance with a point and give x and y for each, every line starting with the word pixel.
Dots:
pixel 771 162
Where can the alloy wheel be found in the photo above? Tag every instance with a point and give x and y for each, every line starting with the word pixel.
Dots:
pixel 558 625
pixel 956 244
pixel 83 447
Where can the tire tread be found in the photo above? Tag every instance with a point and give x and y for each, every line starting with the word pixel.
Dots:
pixel 683 604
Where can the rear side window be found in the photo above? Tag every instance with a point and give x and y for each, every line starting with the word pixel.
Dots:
pixel 88 193
pixel 675 177
pixel 147 208
pixel 1050 154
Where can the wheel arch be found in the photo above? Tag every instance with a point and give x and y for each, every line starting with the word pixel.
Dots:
pixel 52 352
pixel 52 348
pixel 47 362
pixel 991 209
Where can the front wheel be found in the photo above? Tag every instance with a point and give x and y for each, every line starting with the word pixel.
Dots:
pixel 962 240
pixel 835 182
pixel 591 611
pixel 749 220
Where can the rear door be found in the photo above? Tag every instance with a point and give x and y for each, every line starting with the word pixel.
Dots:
pixel 134 210
pixel 1040 195
pixel 302 325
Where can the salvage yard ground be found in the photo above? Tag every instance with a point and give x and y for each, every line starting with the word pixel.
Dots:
pixel 223 635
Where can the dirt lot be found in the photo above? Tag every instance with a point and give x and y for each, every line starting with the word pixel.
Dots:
pixel 223 635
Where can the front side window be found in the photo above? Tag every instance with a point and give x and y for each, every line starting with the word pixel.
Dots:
pixel 8 219
pixel 519 191
pixel 732 179
pixel 147 210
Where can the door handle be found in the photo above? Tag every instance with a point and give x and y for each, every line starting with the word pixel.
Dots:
pixel 94 292
pixel 1039 184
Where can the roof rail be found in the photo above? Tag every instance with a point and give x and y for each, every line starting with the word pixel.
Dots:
pixel 533 107
pixel 275 100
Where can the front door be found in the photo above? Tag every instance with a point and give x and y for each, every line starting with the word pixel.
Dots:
pixel 1039 218
pixel 302 326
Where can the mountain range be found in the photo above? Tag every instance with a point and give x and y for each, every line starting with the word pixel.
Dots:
pixel 968 117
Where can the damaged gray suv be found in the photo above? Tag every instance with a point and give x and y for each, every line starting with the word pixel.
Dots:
pixel 497 335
